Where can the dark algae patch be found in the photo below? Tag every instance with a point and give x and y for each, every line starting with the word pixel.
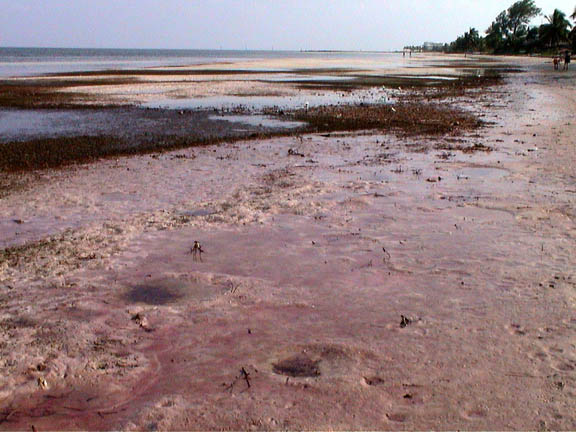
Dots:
pixel 409 119
pixel 59 152
pixel 406 118
pixel 444 84
pixel 298 366
pixel 53 152
pixel 476 147
pixel 31 93
pixel 17 255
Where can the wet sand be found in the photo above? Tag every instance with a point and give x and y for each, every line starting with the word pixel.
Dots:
pixel 376 282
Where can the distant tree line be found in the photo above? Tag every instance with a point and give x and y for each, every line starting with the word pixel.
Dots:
pixel 510 33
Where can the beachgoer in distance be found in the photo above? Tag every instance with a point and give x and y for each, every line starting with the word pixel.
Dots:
pixel 556 62
pixel 566 60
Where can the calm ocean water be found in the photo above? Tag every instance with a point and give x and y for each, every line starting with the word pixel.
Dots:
pixel 36 61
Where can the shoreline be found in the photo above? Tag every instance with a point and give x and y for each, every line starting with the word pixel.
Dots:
pixel 359 279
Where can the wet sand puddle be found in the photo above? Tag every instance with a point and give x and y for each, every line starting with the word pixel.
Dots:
pixel 166 291
pixel 482 173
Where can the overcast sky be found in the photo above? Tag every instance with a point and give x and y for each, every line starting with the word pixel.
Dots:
pixel 252 24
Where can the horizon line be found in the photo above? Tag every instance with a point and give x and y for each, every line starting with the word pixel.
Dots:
pixel 205 49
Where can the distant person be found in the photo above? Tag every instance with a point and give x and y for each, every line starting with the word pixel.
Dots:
pixel 566 60
pixel 556 61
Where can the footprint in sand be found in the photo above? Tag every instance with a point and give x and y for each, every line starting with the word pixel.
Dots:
pixel 397 417
pixel 474 414
pixel 517 329
pixel 373 381
pixel 541 355
pixel 564 367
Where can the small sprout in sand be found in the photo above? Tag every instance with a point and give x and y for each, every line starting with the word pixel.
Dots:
pixel 42 383
pixel 374 381
pixel 387 255
pixel 292 152
pixel 245 375
pixel 405 321
pixel 88 257
pixel 142 322
pixel 197 250
pixel 233 287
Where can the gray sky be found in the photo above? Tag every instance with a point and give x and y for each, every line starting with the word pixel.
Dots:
pixel 252 24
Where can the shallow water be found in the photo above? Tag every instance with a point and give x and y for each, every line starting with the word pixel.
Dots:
pixel 36 61
pixel 376 95
pixel 19 125
pixel 131 124
pixel 308 78
pixel 260 120
pixel 22 125
pixel 430 77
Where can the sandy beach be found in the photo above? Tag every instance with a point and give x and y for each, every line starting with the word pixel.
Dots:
pixel 374 279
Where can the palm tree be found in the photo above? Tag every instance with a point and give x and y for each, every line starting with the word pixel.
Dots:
pixel 573 32
pixel 556 31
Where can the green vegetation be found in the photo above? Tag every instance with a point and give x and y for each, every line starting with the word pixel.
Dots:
pixel 470 41
pixel 511 33
pixel 573 32
pixel 556 30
